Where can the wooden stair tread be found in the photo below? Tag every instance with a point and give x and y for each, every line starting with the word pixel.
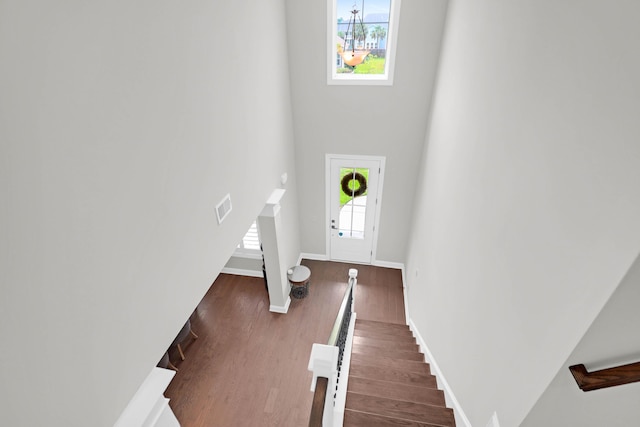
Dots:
pixel 386 336
pixel 398 391
pixel 390 362
pixel 364 419
pixel 377 342
pixel 393 375
pixel 410 411
pixel 383 327
pixel 388 351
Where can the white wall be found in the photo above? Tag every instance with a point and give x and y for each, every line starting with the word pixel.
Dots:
pixel 610 341
pixel 526 213
pixel 382 121
pixel 122 124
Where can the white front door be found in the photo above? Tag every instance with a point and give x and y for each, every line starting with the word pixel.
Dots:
pixel 353 195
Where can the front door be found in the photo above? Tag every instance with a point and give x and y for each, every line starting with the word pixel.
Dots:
pixel 353 196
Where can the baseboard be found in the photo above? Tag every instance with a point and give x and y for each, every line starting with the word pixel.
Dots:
pixel 280 309
pixel 377 263
pixel 242 272
pixel 452 402
pixel 314 257
pixel 388 264
pixel 405 294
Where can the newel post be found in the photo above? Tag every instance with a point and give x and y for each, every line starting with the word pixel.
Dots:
pixel 324 363
pixel 353 274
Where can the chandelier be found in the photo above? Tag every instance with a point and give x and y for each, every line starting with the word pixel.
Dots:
pixel 355 56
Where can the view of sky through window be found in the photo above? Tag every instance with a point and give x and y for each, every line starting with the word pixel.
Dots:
pixel 344 7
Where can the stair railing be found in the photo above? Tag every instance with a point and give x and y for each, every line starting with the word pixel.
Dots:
pixel 330 363
pixel 619 375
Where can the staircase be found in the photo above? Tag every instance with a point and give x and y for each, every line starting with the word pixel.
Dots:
pixel 389 382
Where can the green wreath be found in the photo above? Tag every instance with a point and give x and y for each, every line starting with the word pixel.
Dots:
pixel 362 184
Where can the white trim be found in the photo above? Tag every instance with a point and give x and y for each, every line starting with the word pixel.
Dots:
pixel 351 262
pixel 242 272
pixel 376 226
pixel 364 80
pixel 314 257
pixel 385 79
pixel 450 398
pixel 148 404
pixel 405 293
pixel 375 263
pixel 276 196
pixel 327 205
pixel 280 309
pixel 388 264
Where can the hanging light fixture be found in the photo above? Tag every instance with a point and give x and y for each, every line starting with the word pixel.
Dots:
pixel 355 56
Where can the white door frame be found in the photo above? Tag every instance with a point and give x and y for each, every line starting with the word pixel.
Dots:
pixel 376 227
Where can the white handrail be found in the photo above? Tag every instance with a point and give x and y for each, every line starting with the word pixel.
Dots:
pixel 325 361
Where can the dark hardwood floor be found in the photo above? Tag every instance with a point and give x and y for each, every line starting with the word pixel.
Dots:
pixel 249 366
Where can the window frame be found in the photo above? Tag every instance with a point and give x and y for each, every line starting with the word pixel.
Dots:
pixel 386 79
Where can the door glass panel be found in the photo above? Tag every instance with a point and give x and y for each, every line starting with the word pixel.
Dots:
pixel 353 202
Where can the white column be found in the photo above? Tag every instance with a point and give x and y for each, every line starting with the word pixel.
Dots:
pixel 270 224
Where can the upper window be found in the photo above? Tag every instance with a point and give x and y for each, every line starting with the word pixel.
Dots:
pixel 362 41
